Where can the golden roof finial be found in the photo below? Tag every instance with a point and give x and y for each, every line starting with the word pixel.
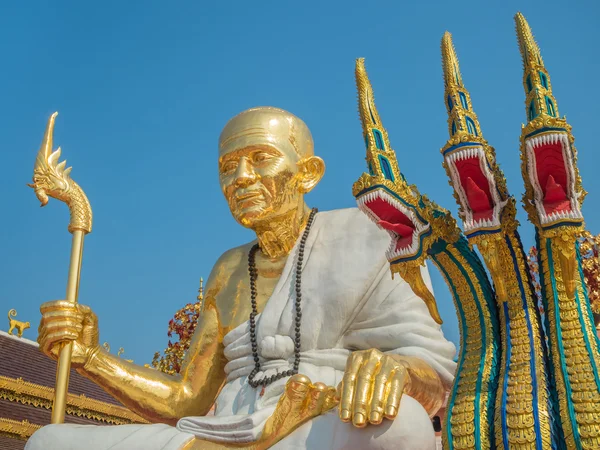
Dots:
pixel 539 99
pixel 462 120
pixel 201 290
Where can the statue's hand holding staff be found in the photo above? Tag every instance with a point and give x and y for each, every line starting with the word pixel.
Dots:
pixel 62 322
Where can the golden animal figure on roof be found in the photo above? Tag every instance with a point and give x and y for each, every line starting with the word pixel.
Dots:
pixel 16 325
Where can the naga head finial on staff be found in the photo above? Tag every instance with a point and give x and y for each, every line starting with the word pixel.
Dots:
pixel 49 177
pixel 52 179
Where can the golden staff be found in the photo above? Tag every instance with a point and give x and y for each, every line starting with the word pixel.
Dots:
pixel 51 179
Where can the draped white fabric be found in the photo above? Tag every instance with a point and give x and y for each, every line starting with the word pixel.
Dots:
pixel 349 302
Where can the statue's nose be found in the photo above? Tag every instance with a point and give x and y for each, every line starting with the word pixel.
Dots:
pixel 245 174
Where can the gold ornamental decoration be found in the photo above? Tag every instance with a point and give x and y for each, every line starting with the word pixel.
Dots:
pixel 38 396
pixel 17 430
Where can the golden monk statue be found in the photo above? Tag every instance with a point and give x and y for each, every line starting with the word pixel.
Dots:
pixel 305 341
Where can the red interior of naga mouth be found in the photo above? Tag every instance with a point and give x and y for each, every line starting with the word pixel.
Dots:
pixel 393 220
pixel 476 187
pixel 552 177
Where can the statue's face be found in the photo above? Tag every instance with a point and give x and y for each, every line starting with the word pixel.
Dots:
pixel 257 182
pixel 258 165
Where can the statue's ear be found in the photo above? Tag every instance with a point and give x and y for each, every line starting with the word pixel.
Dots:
pixel 311 171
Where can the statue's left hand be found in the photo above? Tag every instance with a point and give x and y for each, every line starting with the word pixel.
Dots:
pixel 300 402
pixel 372 387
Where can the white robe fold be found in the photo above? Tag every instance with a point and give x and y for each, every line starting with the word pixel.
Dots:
pixel 349 302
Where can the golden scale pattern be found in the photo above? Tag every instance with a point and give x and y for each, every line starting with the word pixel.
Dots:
pixel 575 365
pixel 519 408
pixel 519 414
pixel 80 209
pixel 463 412
pixel 586 399
pixel 519 403
pixel 590 247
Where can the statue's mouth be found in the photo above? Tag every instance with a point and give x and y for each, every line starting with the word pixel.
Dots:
pixel 551 173
pixel 248 195
pixel 248 199
pixel 398 218
pixel 476 188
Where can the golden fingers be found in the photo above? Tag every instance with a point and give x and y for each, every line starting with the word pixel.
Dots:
pixel 364 387
pixel 397 386
pixel 59 323
pixel 64 321
pixel 57 305
pixel 301 401
pixel 348 385
pixel 318 396
pixel 381 390
pixel 372 387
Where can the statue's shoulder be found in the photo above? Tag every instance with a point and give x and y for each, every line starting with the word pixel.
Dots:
pixel 344 214
pixel 230 266
pixel 234 257
pixel 351 222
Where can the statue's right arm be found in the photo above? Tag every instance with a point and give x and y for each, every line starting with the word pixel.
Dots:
pixel 150 393
pixel 160 397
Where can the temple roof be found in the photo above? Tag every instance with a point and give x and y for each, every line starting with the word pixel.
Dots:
pixel 27 390
pixel 21 358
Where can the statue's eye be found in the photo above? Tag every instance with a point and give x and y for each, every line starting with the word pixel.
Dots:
pixel 228 167
pixel 260 157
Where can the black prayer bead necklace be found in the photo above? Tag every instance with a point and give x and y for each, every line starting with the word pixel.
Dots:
pixel 298 318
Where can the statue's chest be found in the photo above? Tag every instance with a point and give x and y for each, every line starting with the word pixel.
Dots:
pixel 235 299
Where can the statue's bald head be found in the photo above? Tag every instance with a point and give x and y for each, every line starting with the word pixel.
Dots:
pixel 267 124
pixel 266 164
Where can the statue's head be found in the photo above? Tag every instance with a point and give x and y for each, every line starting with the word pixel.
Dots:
pixel 266 164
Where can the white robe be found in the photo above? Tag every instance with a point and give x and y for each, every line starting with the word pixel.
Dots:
pixel 349 302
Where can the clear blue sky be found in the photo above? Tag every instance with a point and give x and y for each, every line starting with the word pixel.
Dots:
pixel 143 89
